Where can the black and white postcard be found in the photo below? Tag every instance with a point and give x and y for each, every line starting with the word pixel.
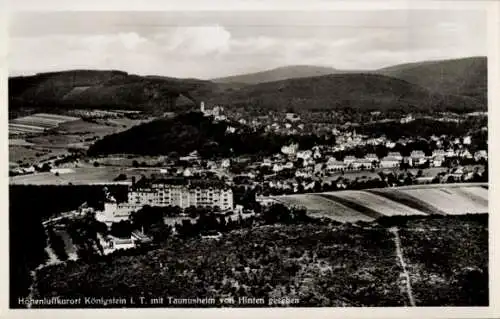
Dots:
pixel 251 159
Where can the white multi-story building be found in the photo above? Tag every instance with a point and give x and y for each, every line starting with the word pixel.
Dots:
pixel 333 165
pixel 349 159
pixel 418 157
pixel 390 162
pixel 182 193
pixel 371 157
pixel 395 155
pixel 164 192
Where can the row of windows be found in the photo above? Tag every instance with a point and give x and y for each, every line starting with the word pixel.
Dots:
pixel 181 191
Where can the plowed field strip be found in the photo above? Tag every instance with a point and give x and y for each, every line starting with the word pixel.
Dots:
pixel 454 203
pixel 408 200
pixel 322 207
pixel 352 204
pixel 478 191
pixel 472 196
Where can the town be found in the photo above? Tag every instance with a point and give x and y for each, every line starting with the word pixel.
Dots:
pixel 230 187
pixel 249 159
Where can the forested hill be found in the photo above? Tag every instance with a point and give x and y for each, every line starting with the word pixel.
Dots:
pixel 356 91
pixel 192 131
pixel 100 89
pixel 465 77
pixel 452 85
pixel 278 74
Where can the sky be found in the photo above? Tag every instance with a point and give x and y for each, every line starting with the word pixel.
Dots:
pixel 210 44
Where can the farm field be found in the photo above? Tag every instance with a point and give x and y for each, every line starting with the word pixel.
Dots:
pixel 81 176
pixel 407 200
pixel 32 153
pixel 349 206
pixel 449 200
pixel 72 134
pixel 478 195
pixel 318 206
pixel 377 203
pixel 37 123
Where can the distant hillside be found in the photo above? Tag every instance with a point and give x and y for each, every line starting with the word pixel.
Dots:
pixel 454 85
pixel 467 76
pixel 278 74
pixel 339 91
pixel 100 89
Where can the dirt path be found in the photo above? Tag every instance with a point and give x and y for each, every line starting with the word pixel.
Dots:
pixel 405 273
pixel 51 261
pixel 31 288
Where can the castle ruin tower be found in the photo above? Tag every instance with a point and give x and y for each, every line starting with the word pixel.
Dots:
pixel 202 107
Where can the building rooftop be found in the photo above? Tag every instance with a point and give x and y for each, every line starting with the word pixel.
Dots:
pixel 181 181
pixel 393 154
pixel 390 158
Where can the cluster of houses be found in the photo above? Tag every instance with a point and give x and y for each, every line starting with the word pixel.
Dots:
pixel 94 114
pixel 395 159
pixel 369 161
pixel 217 112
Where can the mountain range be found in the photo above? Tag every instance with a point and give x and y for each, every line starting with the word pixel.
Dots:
pixel 458 85
pixel 278 74
pixel 466 76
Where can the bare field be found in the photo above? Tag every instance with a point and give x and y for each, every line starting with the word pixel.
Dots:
pixel 414 200
pixel 407 200
pixel 36 123
pixel 378 203
pixel 321 207
pixel 449 200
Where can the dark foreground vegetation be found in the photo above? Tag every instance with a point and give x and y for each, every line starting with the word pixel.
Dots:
pixel 28 206
pixel 318 264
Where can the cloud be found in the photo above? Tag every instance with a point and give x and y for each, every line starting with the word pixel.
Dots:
pixel 238 43
pixel 196 40
pixel 58 52
pixel 131 40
